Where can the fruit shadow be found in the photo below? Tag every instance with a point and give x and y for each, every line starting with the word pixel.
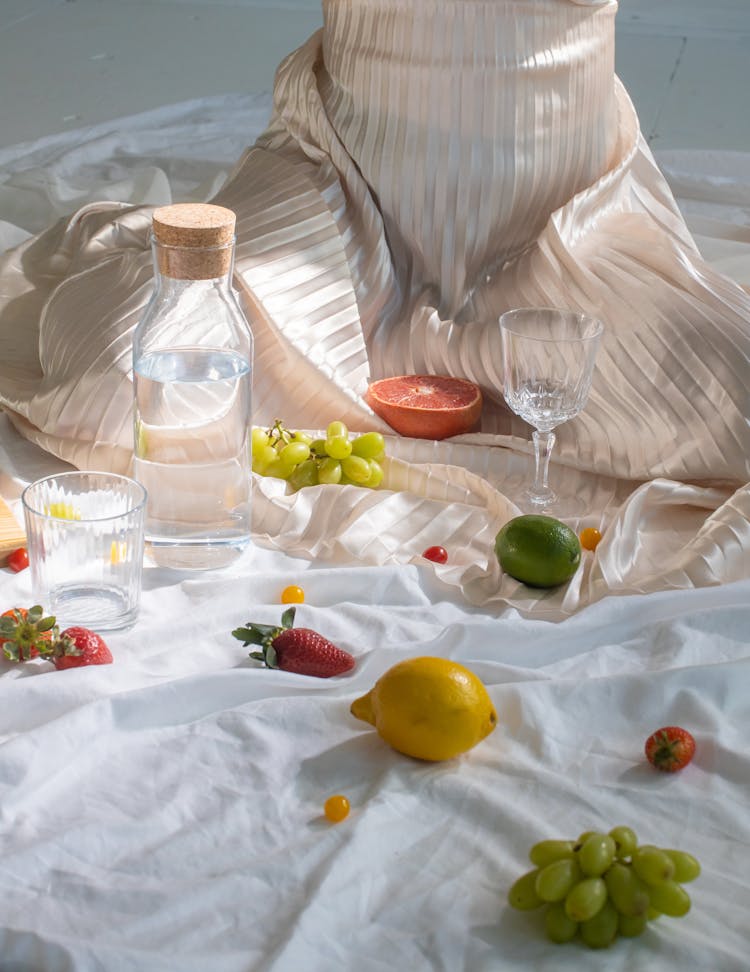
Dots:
pixel 365 770
pixel 30 943
pixel 645 775
pixel 518 934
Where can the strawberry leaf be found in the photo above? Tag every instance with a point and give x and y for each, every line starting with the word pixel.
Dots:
pixel 255 634
pixel 271 659
pixel 267 656
pixel 260 634
pixel 248 636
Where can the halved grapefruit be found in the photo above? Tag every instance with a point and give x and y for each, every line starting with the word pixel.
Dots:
pixel 426 406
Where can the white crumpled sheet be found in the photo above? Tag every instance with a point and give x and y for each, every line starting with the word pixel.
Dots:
pixel 165 813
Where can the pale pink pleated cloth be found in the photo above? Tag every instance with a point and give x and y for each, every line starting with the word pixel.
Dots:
pixel 428 166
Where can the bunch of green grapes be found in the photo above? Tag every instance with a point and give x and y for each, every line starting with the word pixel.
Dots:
pixel 603 885
pixel 304 461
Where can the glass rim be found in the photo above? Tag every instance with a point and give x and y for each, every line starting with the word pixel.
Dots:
pixel 562 311
pixel 136 507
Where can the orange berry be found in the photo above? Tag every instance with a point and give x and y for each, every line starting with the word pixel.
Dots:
pixel 590 538
pixel 336 808
pixel 292 595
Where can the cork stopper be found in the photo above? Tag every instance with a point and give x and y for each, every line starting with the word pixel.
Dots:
pixel 194 240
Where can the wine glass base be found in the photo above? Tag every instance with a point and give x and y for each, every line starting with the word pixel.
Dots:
pixel 540 500
pixel 552 504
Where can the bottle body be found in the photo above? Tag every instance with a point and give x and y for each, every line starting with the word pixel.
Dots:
pixel 192 377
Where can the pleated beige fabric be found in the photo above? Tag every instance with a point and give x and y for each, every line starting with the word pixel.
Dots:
pixel 428 166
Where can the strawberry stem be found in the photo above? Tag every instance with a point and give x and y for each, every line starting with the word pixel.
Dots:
pixel 264 635
pixel 22 633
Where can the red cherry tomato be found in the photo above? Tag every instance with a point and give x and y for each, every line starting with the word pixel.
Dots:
pixel 438 555
pixel 18 560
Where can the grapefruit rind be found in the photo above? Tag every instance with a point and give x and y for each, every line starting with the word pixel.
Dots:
pixel 426 406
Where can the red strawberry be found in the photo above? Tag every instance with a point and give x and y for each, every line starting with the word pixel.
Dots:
pixel 26 633
pixel 670 749
pixel 80 646
pixel 299 650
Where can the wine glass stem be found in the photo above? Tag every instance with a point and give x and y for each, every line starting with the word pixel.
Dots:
pixel 543 444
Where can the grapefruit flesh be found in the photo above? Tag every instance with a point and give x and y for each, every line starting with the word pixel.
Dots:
pixel 426 406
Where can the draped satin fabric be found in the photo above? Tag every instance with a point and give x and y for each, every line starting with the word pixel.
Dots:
pixel 428 166
pixel 457 121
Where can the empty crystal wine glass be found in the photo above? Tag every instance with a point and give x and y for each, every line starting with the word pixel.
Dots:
pixel 548 362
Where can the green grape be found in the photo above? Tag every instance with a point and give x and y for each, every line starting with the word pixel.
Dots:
pixel 369 445
pixel 625 841
pixel 329 471
pixel 376 475
pixel 262 457
pixel 596 854
pixel 279 469
pixel 280 453
pixel 549 851
pixel 258 438
pixel 630 926
pixel 652 865
pixel 686 867
pixel 558 926
pixel 555 880
pixel 652 914
pixel 294 453
pixel 306 474
pixel 670 898
pixel 584 836
pixel 601 930
pixel 356 468
pixel 585 899
pixel 302 437
pixel 337 430
pixel 522 894
pixel 338 447
pixel 626 891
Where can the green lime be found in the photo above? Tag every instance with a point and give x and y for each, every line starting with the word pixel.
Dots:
pixel 538 550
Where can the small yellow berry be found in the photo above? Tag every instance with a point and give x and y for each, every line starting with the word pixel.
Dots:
pixel 589 538
pixel 292 595
pixel 336 808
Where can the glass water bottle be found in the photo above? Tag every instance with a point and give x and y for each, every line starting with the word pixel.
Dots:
pixel 192 366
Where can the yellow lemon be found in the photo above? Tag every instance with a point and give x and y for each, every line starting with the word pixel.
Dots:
pixel 429 708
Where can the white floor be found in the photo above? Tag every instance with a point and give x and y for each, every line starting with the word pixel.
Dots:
pixel 69 63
